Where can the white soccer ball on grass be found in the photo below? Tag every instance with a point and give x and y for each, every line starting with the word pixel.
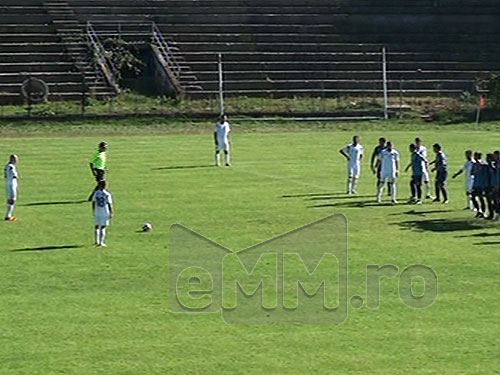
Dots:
pixel 147 227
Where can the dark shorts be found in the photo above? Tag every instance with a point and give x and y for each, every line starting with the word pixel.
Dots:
pixel 417 179
pixel 100 175
pixel 492 193
pixel 478 191
pixel 441 177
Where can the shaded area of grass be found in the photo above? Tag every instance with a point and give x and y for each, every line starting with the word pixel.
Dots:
pixel 443 225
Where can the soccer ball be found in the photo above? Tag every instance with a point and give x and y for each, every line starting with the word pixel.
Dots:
pixel 147 227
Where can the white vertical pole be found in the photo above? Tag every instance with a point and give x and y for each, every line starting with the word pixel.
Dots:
pixel 384 77
pixel 221 86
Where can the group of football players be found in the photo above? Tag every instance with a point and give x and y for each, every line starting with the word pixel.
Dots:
pixel 482 176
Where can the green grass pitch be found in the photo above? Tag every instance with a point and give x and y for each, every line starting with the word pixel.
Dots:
pixel 69 308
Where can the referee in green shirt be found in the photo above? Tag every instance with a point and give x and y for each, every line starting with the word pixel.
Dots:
pixel 98 165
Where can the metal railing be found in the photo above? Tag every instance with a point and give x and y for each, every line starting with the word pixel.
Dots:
pixel 101 57
pixel 161 48
pixel 159 40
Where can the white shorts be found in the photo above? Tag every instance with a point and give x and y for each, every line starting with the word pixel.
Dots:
pixel 222 146
pixel 101 220
pixel 11 191
pixel 425 175
pixel 469 184
pixel 353 171
pixel 387 177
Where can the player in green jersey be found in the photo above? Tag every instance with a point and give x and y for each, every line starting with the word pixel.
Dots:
pixel 98 165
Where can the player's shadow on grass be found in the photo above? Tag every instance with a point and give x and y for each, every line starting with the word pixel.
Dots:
pixel 486 243
pixel 481 235
pixel 340 197
pixel 176 167
pixel 358 204
pixel 54 203
pixel 421 213
pixel 46 248
pixel 442 225
pixel 326 195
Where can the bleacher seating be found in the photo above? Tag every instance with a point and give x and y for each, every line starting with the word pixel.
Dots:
pixel 310 47
pixel 31 46
pixel 289 47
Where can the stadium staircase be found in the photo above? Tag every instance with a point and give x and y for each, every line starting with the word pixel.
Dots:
pixel 43 39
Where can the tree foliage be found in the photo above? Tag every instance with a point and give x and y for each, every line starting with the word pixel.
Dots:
pixel 493 86
pixel 123 56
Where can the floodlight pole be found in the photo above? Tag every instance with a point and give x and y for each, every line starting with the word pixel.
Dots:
pixel 221 86
pixel 384 78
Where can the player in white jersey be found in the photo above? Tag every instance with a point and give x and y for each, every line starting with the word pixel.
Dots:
pixel 389 171
pixel 354 154
pixel 422 150
pixel 222 140
pixel 11 186
pixel 102 205
pixel 469 178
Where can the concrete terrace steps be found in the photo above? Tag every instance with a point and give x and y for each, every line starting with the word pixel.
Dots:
pixel 23 37
pixel 52 77
pixel 54 87
pixel 285 10
pixel 31 46
pixel 332 47
pixel 410 21
pixel 289 47
pixel 277 3
pixel 200 10
pixel 340 74
pixel 380 31
pixel 338 85
pixel 40 57
pixel 354 57
pixel 294 37
pixel 39 47
pixel 67 28
pixel 345 66
pixel 294 41
pixel 346 26
pixel 447 40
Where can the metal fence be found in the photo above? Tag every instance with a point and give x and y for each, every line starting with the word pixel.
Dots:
pixel 392 99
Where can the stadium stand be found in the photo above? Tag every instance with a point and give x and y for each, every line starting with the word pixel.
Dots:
pixel 301 47
pixel 43 40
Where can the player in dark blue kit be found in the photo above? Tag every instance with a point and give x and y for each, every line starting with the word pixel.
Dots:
pixel 492 187
pixel 376 156
pixel 480 174
pixel 441 168
pixel 417 165
pixel 375 160
pixel 496 156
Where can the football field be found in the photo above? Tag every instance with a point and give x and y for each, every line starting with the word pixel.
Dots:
pixel 68 307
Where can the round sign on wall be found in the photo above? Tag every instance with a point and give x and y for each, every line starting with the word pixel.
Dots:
pixel 35 90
